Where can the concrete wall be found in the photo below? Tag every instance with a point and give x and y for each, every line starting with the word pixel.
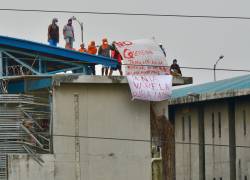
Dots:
pixel 186 154
pixel 216 140
pixel 23 167
pixel 216 156
pixel 95 128
pixel 242 139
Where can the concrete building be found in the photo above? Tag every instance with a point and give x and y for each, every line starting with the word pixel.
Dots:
pixel 98 133
pixel 212 126
pixel 69 126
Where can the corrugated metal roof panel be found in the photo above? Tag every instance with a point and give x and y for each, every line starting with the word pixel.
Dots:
pixel 233 84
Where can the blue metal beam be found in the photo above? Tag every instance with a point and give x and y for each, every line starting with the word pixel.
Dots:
pixel 22 63
pixel 55 52
pixel 26 85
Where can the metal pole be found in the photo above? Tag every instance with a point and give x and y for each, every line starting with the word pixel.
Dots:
pixel 81 24
pixel 220 58
pixel 214 72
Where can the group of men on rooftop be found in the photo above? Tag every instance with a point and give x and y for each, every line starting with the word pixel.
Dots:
pixel 106 50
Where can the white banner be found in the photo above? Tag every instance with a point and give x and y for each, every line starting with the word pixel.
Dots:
pixel 142 57
pixel 150 88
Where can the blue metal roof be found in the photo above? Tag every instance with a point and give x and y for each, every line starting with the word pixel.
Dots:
pixel 54 52
pixel 237 83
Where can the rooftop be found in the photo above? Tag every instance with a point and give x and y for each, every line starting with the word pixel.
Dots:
pixel 237 86
pixel 25 83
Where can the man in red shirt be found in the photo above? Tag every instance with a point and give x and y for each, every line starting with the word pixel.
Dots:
pixel 116 55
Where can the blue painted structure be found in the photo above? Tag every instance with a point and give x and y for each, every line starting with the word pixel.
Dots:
pixel 55 52
pixel 44 59
pixel 237 83
pixel 20 57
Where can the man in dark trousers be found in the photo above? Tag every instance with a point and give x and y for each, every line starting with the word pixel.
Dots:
pixel 175 69
pixel 53 33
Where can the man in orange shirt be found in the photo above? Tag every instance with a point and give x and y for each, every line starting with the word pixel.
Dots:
pixel 82 48
pixel 92 50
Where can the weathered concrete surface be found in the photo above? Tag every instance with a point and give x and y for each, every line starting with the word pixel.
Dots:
pixel 217 157
pixel 109 122
pixel 23 167
pixel 242 135
pixel 217 140
pixel 109 79
pixel 99 133
pixel 186 154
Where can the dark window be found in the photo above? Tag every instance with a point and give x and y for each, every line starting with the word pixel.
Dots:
pixel 190 127
pixel 183 128
pixel 244 123
pixel 220 178
pixel 213 125
pixel 219 123
pixel 245 178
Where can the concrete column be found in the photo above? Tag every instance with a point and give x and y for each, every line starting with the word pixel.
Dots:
pixel 171 115
pixel 232 148
pixel 6 67
pixel 40 67
pixel 77 138
pixel 202 169
pixel 1 64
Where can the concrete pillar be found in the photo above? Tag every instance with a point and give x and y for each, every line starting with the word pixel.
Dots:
pixel 232 148
pixel 40 67
pixel 6 67
pixel 1 64
pixel 202 169
pixel 171 116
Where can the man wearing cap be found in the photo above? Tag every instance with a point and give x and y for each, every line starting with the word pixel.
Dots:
pixel 53 33
pixel 175 69
pixel 68 33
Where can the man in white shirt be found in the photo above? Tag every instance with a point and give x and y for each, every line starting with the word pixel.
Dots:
pixel 68 33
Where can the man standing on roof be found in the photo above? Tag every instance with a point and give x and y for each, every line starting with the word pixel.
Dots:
pixel 92 50
pixel 116 55
pixel 175 69
pixel 53 33
pixel 68 33
pixel 82 48
pixel 104 50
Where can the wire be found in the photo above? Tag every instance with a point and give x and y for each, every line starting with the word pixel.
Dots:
pixel 146 65
pixel 138 140
pixel 127 14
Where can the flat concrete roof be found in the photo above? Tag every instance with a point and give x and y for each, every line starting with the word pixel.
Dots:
pixel 79 78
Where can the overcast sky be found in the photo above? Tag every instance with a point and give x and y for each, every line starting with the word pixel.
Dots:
pixel 192 41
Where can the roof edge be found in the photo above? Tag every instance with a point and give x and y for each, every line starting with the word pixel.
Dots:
pixel 209 96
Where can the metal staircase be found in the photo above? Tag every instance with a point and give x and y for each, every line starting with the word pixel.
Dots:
pixel 3 167
pixel 24 128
